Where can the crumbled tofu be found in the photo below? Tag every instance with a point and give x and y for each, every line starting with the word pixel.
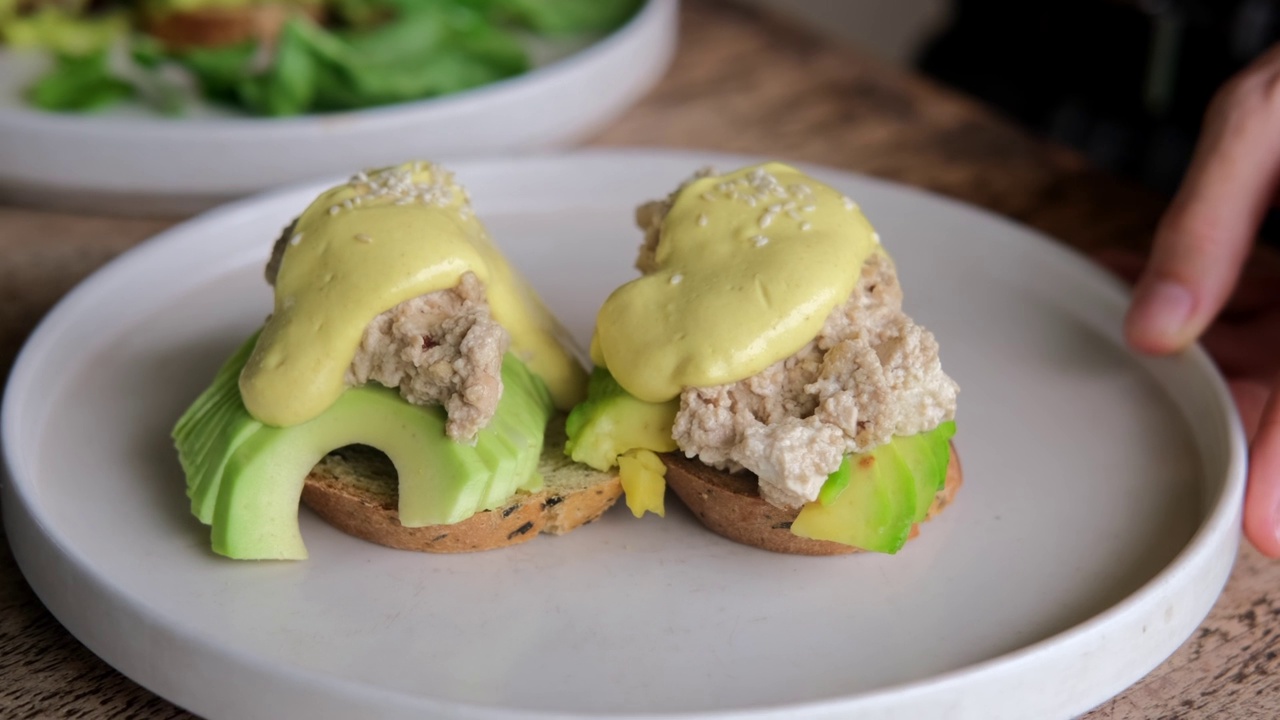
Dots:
pixel 442 348
pixel 870 374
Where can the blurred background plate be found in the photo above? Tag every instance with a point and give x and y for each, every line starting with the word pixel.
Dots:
pixel 140 164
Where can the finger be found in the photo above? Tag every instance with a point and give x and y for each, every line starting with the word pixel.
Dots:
pixel 1251 399
pixel 1203 238
pixel 1262 498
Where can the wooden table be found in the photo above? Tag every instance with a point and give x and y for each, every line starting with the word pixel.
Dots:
pixel 743 82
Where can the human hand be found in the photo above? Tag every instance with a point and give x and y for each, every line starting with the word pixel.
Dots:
pixel 1194 273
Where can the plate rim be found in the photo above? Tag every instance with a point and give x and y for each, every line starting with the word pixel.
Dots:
pixel 1217 529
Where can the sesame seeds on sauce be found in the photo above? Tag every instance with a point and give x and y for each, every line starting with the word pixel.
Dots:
pixel 295 239
pixel 761 188
pixel 732 285
pixel 401 186
pixel 363 238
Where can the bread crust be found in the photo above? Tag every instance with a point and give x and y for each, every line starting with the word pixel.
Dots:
pixel 218 27
pixel 731 506
pixel 355 490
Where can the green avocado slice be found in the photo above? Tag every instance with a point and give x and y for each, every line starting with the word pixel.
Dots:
pixel 926 456
pixel 612 421
pixel 874 512
pixel 245 478
pixel 874 498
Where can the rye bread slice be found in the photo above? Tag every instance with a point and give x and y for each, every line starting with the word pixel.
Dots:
pixel 730 505
pixel 355 490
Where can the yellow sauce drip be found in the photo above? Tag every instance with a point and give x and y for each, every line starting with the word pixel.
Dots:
pixel 749 266
pixel 364 247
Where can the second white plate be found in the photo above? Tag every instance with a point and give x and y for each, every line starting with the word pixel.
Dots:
pixel 139 163
pixel 1097 524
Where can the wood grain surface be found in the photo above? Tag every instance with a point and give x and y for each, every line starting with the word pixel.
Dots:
pixel 745 82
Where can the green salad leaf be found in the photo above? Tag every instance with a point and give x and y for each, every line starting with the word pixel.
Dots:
pixel 372 52
pixel 80 84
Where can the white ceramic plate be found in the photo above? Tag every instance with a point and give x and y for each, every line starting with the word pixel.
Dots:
pixel 1096 527
pixel 133 162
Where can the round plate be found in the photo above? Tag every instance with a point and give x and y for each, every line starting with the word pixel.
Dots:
pixel 1098 521
pixel 132 162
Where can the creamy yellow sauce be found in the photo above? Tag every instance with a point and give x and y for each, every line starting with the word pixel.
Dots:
pixel 750 264
pixel 364 247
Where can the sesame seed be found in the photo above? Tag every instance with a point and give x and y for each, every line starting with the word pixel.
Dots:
pixel 361 237
pixel 806 226
pixel 765 220
pixel 702 219
pixel 708 196
pixel 809 208
pixel 793 214
pixel 849 204
pixel 334 210
pixel 675 279
pixel 760 240
pixel 876 236
pixel 295 239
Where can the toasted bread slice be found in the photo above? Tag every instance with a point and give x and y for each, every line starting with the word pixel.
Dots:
pixel 730 505
pixel 355 490
pixel 221 26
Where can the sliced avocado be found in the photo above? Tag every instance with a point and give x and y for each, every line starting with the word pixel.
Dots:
pixel 836 482
pixel 873 496
pixel 611 421
pixel 210 430
pixel 875 512
pixel 926 456
pixel 245 478
pixel 643 478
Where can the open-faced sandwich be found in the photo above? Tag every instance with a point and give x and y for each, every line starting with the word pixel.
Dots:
pixel 763 367
pixel 406 385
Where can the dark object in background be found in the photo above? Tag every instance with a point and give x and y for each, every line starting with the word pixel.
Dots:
pixel 1125 82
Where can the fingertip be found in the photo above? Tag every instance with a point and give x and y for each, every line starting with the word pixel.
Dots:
pixel 1262 530
pixel 1261 512
pixel 1159 320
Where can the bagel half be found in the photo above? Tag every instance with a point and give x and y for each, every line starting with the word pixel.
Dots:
pixel 355 490
pixel 730 505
